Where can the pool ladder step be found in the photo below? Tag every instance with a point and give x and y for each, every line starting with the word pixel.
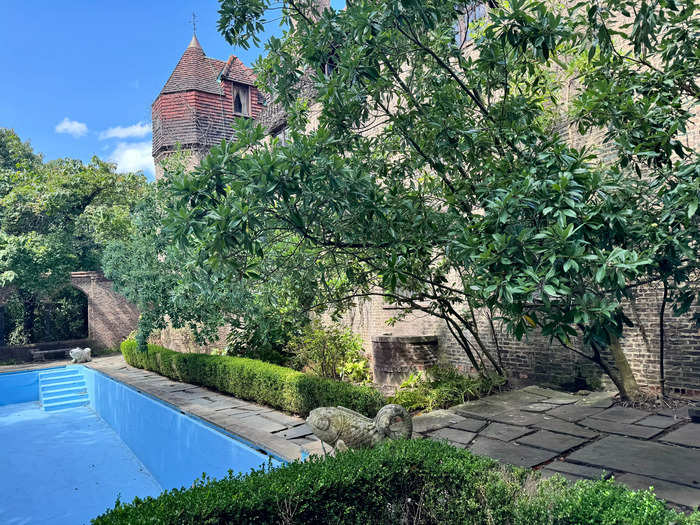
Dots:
pixel 62 388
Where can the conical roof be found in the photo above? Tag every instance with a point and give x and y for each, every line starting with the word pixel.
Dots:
pixel 194 72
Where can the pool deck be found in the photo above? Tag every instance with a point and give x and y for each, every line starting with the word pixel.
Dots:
pixel 285 436
pixel 554 432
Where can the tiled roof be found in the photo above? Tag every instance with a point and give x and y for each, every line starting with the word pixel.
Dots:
pixel 236 71
pixel 197 72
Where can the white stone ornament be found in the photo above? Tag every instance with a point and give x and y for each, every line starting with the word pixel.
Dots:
pixel 80 355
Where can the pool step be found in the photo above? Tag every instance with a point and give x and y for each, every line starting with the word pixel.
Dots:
pixel 61 389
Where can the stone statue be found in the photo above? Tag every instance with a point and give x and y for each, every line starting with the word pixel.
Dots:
pixel 80 355
pixel 343 428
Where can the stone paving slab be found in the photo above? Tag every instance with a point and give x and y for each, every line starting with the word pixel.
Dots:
pixel 565 427
pixel 672 492
pixel 518 417
pixel 688 435
pixel 504 432
pixel 284 419
pixel 454 436
pixel 657 421
pixel 478 409
pixel 550 441
pixel 511 453
pixel 538 407
pixel 297 432
pixel 624 429
pixel 597 400
pixel 434 420
pixel 470 424
pixel 622 414
pixel 646 458
pixel 581 471
pixel 261 423
pixel 573 413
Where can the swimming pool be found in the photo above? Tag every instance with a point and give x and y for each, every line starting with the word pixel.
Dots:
pixel 66 466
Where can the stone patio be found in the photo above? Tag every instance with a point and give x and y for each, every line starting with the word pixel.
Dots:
pixel 579 437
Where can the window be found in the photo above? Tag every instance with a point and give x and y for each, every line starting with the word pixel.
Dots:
pixel 281 135
pixel 241 96
pixel 466 26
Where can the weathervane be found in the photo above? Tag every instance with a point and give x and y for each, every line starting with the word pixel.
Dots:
pixel 194 23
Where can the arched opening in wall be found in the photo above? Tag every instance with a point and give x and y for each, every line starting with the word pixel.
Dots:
pixel 27 318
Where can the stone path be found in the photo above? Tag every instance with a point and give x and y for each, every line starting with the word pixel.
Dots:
pixel 577 437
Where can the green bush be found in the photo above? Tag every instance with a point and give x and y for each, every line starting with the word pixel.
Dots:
pixel 443 387
pixel 265 383
pixel 330 351
pixel 408 481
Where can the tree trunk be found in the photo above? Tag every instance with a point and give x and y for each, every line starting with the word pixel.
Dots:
pixel 29 302
pixel 627 384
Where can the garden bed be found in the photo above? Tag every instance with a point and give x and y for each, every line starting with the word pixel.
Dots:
pixel 253 380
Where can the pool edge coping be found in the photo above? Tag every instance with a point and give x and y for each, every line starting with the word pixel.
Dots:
pixel 272 445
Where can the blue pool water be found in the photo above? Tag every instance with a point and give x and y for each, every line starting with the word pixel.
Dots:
pixel 69 466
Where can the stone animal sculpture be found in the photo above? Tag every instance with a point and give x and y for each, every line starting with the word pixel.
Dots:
pixel 80 355
pixel 343 428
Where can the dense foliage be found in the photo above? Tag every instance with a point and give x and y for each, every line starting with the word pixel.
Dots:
pixel 533 167
pixel 55 218
pixel 169 284
pixel 410 481
pixel 58 317
pixel 330 351
pixel 254 380
pixel 443 387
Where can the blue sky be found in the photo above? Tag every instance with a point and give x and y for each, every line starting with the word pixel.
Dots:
pixel 79 76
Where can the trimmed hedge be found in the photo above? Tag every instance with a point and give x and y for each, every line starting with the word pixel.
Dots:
pixel 250 379
pixel 408 481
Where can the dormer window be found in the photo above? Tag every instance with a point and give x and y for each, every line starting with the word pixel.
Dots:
pixel 241 101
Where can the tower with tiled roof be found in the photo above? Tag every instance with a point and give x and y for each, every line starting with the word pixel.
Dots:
pixel 199 103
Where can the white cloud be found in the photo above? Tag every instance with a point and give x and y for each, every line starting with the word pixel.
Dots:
pixel 139 130
pixel 133 156
pixel 71 127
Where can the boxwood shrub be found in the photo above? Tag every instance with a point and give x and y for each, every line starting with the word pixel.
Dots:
pixel 408 481
pixel 253 380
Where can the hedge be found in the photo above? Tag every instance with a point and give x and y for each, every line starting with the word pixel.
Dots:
pixel 253 380
pixel 407 481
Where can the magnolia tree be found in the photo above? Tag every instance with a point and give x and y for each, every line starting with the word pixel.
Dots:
pixel 435 167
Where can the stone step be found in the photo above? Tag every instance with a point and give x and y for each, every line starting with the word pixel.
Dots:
pixel 54 394
pixel 51 386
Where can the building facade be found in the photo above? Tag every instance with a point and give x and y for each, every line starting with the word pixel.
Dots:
pixel 195 110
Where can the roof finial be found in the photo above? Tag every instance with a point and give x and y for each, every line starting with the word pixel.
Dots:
pixel 194 42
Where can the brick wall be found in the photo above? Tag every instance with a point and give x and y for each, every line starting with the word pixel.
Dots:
pixel 111 318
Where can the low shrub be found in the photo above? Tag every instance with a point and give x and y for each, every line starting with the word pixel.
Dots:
pixel 407 481
pixel 443 387
pixel 272 385
pixel 330 351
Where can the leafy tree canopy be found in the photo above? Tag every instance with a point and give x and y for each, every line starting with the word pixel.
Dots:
pixel 533 167
pixel 55 218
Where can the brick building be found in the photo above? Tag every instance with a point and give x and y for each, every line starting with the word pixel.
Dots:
pixel 195 109
pixel 199 103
